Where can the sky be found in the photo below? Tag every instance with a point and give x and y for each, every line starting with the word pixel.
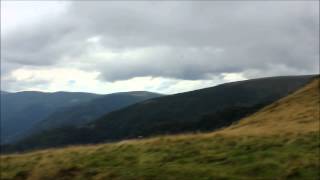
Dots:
pixel 160 46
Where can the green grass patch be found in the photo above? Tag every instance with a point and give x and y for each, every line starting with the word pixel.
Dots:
pixel 198 157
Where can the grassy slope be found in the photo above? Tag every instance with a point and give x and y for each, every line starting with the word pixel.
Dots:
pixel 279 142
pixel 297 113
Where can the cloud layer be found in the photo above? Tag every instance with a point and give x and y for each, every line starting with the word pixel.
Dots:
pixel 190 41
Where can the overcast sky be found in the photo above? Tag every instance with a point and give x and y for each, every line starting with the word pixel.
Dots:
pixel 165 47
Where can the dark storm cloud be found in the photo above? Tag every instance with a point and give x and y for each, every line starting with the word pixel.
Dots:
pixel 184 40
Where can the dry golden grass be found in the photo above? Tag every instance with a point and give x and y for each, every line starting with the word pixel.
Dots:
pixel 296 113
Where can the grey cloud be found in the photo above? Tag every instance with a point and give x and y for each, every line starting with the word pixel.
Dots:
pixel 41 44
pixel 254 36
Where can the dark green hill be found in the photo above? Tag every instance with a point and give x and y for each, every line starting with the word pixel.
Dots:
pixel 200 110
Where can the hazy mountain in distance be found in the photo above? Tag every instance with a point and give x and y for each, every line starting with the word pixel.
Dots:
pixel 21 110
pixel 4 92
pixel 200 110
pixel 38 111
pixel 86 112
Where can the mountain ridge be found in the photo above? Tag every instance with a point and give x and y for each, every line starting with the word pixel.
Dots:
pixel 23 111
pixel 201 110
pixel 81 114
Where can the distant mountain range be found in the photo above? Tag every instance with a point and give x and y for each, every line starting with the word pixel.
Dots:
pixel 22 110
pixel 23 113
pixel 4 92
pixel 200 110
pixel 83 113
